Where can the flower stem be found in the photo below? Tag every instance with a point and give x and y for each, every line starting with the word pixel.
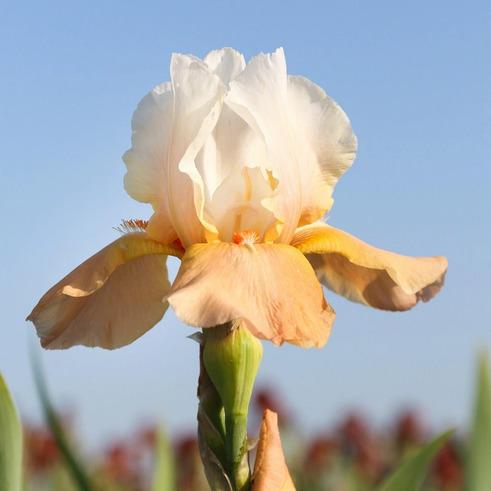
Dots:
pixel 211 431
pixel 236 450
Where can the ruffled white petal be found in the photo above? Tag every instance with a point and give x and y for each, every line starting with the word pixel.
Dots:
pixel 227 63
pixel 260 96
pixel 170 127
pixel 327 143
pixel 151 125
pixel 194 158
pixel 308 138
pixel 198 96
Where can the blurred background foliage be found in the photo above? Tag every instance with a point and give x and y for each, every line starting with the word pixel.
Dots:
pixel 352 455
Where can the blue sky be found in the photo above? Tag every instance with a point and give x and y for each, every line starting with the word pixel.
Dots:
pixel 415 79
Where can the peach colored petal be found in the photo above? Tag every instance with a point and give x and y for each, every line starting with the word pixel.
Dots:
pixel 368 275
pixel 109 300
pixel 272 287
pixel 270 470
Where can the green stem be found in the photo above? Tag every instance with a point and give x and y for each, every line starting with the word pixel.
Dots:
pixel 211 431
pixel 236 450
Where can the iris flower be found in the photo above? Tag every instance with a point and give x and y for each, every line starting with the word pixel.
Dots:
pixel 239 163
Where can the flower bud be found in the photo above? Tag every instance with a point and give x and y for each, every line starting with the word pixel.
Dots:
pixel 232 356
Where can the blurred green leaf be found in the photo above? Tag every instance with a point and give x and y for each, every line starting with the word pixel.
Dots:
pixel 73 466
pixel 410 475
pixel 10 442
pixel 164 476
pixel 478 466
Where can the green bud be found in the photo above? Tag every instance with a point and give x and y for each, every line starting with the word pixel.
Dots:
pixel 231 356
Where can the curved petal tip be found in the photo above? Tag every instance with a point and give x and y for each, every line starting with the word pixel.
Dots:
pixel 365 274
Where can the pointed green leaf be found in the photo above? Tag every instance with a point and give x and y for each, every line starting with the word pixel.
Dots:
pixel 72 463
pixel 10 442
pixel 410 475
pixel 164 478
pixel 478 466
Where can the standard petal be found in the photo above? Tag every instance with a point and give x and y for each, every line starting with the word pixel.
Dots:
pixel 109 300
pixel 259 95
pixel 160 228
pixel 151 125
pixel 227 63
pixel 368 275
pixel 198 96
pixel 326 140
pixel 270 469
pixel 272 287
pixel 308 138
pixel 170 126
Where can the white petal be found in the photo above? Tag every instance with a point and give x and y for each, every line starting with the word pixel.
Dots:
pixel 198 95
pixel 152 129
pixel 227 63
pixel 327 141
pixel 170 127
pixel 260 96
pixel 308 137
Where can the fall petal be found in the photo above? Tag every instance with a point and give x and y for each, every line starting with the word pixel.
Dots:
pixel 270 470
pixel 272 287
pixel 368 275
pixel 108 301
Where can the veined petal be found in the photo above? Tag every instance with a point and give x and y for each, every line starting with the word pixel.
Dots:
pixel 368 275
pixel 270 470
pixel 109 300
pixel 272 287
